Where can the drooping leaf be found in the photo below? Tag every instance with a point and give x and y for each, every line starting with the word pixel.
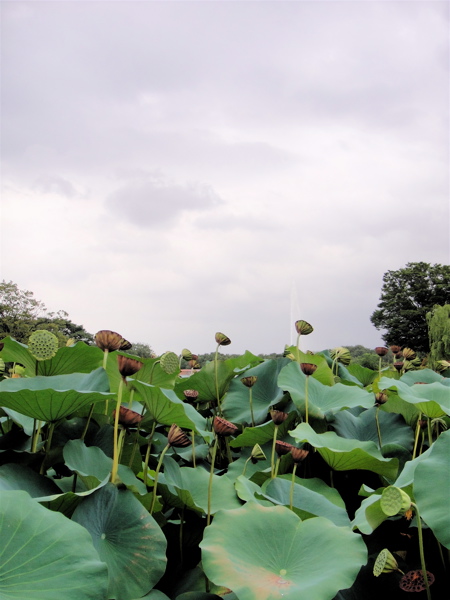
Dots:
pixel 432 399
pixel 363 374
pixel 343 454
pixel 263 433
pixel 264 553
pixel 79 358
pixel 37 561
pixel 15 352
pixel 20 477
pixel 127 539
pixel 53 398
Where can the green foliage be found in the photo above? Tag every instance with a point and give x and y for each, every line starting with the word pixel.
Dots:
pixel 438 321
pixel 21 314
pixel 407 296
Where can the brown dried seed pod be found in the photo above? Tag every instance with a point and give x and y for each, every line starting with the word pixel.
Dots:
pixel 249 381
pixel 278 416
pixel 128 366
pixel 414 581
pixel 299 454
pixel 108 340
pixel 128 417
pixel 381 351
pixel 381 398
pixel 283 448
pixel 191 395
pixel 308 368
pixel 177 438
pixel 223 427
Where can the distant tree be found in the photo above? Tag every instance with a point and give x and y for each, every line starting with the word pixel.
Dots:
pixel 406 297
pixel 21 314
pixel 439 335
pixel 142 350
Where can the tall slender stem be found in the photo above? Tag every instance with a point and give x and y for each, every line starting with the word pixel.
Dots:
pixel 48 445
pixel 378 427
pixel 105 360
pixel 211 473
pixel 116 433
pixel 147 454
pixel 291 493
pixel 216 380
pixel 430 434
pixel 306 398
pixel 193 449
pixel 86 427
pixel 155 482
pixel 251 407
pixel 422 556
pixel 272 460
pixel 416 436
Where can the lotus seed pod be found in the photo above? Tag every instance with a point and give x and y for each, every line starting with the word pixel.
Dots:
pixel 308 368
pixel 341 354
pixel 409 354
pixel 108 340
pixel 169 363
pixel 283 447
pixel 223 427
pixel 177 438
pixel 128 417
pixel 385 563
pixel 381 351
pixel 125 345
pixel 222 339
pixel 257 454
pixel 128 366
pixel 303 328
pixel 394 501
pixel 190 395
pixel 187 354
pixel 299 454
pixel 395 349
pixel 413 581
pixel 278 416
pixel 249 381
pixel 70 342
pixel 43 344
pixel 381 398
pixel 398 365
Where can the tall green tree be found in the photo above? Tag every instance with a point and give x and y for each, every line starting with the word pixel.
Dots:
pixel 21 314
pixel 407 296
pixel 439 335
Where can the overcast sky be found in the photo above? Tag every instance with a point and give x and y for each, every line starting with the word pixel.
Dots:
pixel 173 169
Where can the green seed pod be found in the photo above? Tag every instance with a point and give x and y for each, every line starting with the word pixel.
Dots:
pixel 222 339
pixel 257 454
pixel 43 344
pixel 249 381
pixel 169 363
pixel 187 354
pixel 341 354
pixel 303 328
pixel 394 501
pixel 385 563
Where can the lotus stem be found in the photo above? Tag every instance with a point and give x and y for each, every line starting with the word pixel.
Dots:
pixel 116 433
pixel 105 360
pixel 86 427
pixel 378 426
pixel 291 493
pixel 416 440
pixel 193 449
pixel 135 444
pixel 48 445
pixel 36 431
pixel 120 442
pixel 211 473
pixel 277 466
pixel 379 366
pixel 306 398
pixel 251 407
pixel 272 460
pixel 422 556
pixel 155 482
pixel 150 379
pixel 430 433
pixel 147 454
pixel 130 402
pixel 216 380
pixel 245 465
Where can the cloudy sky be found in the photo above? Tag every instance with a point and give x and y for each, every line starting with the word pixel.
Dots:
pixel 173 169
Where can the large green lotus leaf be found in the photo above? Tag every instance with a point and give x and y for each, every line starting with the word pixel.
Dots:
pixel 321 398
pixel 422 375
pixel 248 491
pixel 343 455
pixel 44 555
pixel 265 393
pixel 92 461
pixel 79 358
pixel 151 372
pixel 398 406
pixel 166 408
pixel 432 399
pixel 312 498
pixel 343 373
pixel 191 487
pixel 15 352
pixel 323 372
pixel 127 539
pixel 364 375
pixel 406 477
pixel 53 398
pixel 369 515
pixel 268 553
pixel 362 427
pixel 20 477
pixel 67 502
pixel 263 433
pixel 432 488
pixel 204 381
